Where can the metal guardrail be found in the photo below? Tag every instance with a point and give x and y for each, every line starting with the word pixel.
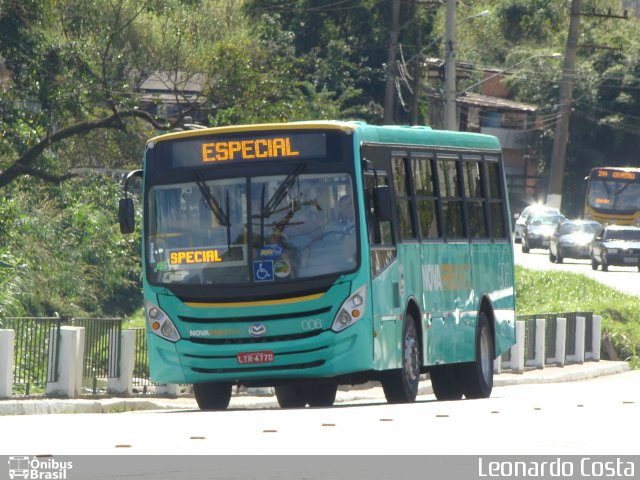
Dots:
pixel 550 328
pixel 141 362
pixel 101 348
pixel 36 351
pixel 35 354
pixel 37 340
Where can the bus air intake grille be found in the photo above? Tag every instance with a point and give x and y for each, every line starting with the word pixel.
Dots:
pixel 257 318
pixel 297 366
pixel 254 340
pixel 280 354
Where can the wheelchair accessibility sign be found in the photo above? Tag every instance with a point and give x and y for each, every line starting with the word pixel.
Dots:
pixel 263 271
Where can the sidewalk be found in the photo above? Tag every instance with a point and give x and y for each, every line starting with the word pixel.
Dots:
pixel 370 392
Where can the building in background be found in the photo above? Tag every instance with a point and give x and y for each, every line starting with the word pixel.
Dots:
pixel 516 125
pixel 168 95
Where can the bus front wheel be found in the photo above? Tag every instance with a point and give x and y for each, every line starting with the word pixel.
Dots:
pixel 401 385
pixel 290 396
pixel 477 376
pixel 212 395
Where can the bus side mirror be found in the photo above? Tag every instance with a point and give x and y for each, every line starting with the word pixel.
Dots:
pixel 126 210
pixel 382 203
pixel 126 215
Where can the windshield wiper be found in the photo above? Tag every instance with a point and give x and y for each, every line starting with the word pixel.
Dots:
pixel 281 192
pixel 617 194
pixel 211 202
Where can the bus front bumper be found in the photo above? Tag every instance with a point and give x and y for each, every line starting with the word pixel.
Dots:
pixel 325 355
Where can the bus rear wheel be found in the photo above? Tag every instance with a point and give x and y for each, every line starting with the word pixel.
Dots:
pixel 477 376
pixel 401 385
pixel 444 382
pixel 212 395
pixel 290 396
pixel 320 394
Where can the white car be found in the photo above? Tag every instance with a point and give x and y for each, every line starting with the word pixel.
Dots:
pixel 526 213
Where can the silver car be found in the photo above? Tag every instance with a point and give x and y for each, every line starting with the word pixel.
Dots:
pixel 571 239
pixel 616 245
pixel 524 216
pixel 538 230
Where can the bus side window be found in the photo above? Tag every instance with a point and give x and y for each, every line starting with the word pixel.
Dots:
pixel 496 202
pixel 426 199
pixel 475 197
pixel 404 199
pixel 451 197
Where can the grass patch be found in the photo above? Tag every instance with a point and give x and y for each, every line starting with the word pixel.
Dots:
pixel 570 292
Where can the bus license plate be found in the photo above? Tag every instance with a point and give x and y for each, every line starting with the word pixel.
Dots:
pixel 245 358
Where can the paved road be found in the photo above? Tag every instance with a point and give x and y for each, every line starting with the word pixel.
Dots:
pixel 596 415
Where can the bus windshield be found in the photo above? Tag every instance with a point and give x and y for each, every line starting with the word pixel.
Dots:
pixel 261 229
pixel 614 195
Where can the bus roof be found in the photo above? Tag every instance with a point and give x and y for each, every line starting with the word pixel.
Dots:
pixel 388 134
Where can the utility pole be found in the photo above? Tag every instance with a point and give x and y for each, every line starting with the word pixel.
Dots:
pixel 417 70
pixel 450 122
pixel 390 87
pixel 558 154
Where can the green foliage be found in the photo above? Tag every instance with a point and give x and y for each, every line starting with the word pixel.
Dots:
pixel 75 62
pixel 67 254
pixel 569 292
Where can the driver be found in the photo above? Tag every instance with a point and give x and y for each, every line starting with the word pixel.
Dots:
pixel 345 214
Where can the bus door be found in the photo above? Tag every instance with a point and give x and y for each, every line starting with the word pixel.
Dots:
pixel 385 273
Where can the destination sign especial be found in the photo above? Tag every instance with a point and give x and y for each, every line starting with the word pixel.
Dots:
pixel 195 256
pixel 250 149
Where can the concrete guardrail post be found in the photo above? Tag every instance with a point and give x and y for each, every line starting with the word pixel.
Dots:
pixel 70 362
pixel 561 341
pixel 7 338
pixel 123 385
pixel 596 338
pixel 516 363
pixel 540 343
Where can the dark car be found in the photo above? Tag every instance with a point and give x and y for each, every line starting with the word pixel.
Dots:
pixel 538 229
pixel 571 239
pixel 616 245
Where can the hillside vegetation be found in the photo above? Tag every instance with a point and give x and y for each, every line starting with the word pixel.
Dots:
pixel 70 98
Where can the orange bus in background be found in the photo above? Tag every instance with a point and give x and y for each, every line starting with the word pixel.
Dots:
pixel 613 195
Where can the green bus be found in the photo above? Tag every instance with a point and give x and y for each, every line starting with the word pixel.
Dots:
pixel 303 256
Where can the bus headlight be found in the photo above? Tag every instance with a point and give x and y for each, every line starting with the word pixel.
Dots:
pixel 160 323
pixel 351 310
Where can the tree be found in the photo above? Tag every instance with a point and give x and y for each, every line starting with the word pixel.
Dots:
pixel 76 65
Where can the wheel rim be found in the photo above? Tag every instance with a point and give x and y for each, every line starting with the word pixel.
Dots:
pixel 412 360
pixel 485 356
